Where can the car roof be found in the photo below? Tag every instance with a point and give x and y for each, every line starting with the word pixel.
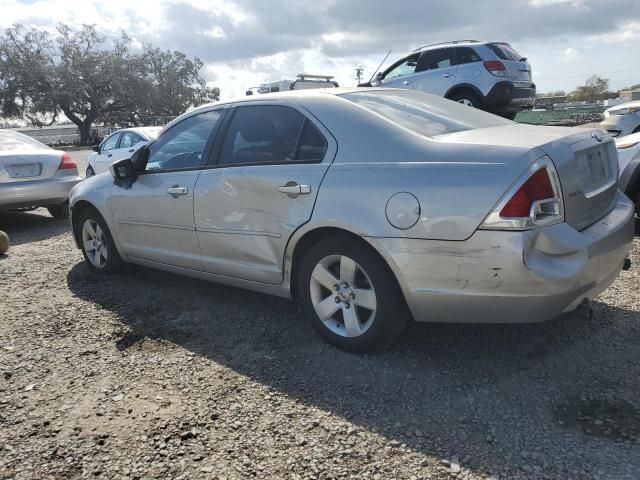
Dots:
pixel 454 43
pixel 289 94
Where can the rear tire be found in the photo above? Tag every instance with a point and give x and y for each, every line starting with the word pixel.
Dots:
pixel 97 245
pixel 354 291
pixel 59 212
pixel 467 98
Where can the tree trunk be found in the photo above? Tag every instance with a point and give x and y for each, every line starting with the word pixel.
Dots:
pixel 85 133
pixel 84 125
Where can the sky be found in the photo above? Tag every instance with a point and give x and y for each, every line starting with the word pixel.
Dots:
pixel 247 42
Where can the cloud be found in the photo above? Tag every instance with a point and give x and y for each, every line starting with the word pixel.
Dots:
pixel 244 42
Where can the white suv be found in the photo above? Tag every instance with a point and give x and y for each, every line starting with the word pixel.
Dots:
pixel 487 75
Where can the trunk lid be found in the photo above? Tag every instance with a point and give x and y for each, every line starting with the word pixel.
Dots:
pixel 24 166
pixel 586 161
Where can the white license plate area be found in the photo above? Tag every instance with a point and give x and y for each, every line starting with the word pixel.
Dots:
pixel 595 169
pixel 25 170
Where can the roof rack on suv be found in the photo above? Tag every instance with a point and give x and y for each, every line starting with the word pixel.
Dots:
pixel 445 43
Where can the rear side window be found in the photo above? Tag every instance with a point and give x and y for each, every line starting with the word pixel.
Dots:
pixel 312 145
pixel 504 51
pixel 271 134
pixel 441 58
pixel 466 55
pixel 129 139
pixel 424 114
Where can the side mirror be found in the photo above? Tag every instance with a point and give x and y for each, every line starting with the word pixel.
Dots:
pixel 96 148
pixel 249 92
pixel 122 170
pixel 379 76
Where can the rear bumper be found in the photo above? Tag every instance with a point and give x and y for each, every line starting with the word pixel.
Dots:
pixel 37 193
pixel 511 277
pixel 505 97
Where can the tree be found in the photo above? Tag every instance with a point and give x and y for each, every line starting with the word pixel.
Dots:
pixel 595 88
pixel 88 78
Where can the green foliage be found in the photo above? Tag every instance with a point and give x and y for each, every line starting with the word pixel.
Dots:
pixel 88 78
pixel 595 88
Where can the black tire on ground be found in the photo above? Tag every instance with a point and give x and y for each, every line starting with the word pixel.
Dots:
pixel 391 314
pixel 509 115
pixel 59 212
pixel 114 263
pixel 89 172
pixel 467 98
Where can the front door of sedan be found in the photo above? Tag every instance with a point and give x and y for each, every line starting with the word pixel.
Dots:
pixel 104 158
pixel 154 216
pixel 436 72
pixel 271 162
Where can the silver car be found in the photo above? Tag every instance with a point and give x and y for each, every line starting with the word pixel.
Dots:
pixel 623 119
pixel 370 206
pixel 34 175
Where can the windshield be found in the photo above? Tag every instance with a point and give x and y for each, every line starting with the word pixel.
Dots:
pixel 424 114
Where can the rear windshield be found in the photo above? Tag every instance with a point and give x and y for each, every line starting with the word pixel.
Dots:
pixel 504 51
pixel 424 114
pixel 17 141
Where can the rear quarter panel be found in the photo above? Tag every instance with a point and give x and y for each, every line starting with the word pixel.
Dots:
pixel 456 185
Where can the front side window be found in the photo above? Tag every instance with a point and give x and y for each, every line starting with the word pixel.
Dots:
pixel 424 114
pixel 441 58
pixel 110 143
pixel 183 145
pixel 263 134
pixel 406 67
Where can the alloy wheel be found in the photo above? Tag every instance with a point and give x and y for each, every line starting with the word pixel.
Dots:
pixel 343 296
pixel 94 243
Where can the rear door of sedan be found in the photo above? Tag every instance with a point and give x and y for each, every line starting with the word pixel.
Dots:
pixel 269 166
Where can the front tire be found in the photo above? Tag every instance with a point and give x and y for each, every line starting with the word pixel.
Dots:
pixel 350 295
pixel 90 172
pixel 59 212
pixel 96 243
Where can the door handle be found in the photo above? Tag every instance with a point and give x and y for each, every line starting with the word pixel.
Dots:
pixel 446 75
pixel 110 155
pixel 132 150
pixel 177 190
pixel 293 189
pixel 406 82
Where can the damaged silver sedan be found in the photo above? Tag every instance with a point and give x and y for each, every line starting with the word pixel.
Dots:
pixel 369 206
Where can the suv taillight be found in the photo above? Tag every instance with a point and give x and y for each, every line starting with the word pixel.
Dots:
pixel 535 200
pixel 496 68
pixel 67 162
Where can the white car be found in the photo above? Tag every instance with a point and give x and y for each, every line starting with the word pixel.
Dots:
pixel 118 146
pixel 623 119
pixel 629 167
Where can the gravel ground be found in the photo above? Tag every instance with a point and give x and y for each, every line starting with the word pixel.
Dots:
pixel 152 375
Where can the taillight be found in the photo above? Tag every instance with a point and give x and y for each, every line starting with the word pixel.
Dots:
pixel 496 68
pixel 535 200
pixel 67 162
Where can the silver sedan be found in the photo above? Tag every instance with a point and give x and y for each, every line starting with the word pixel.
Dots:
pixel 34 175
pixel 371 207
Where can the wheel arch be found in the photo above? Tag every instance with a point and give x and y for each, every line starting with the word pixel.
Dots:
pixel 465 87
pixel 79 207
pixel 308 238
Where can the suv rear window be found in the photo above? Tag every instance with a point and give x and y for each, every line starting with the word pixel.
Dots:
pixel 424 114
pixel 504 51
